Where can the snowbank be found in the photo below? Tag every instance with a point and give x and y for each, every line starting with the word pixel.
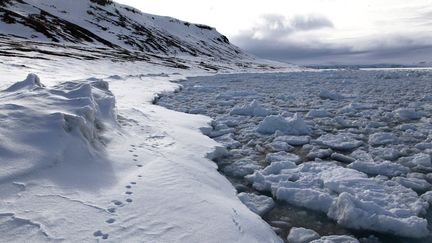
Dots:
pixel 43 125
pixel 76 167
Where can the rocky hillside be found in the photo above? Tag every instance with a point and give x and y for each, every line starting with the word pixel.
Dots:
pixel 105 25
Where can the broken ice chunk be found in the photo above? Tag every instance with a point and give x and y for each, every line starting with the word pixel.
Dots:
pixel 302 235
pixel 406 114
pixel 385 168
pixel 292 126
pixel 258 204
pixel 252 109
pixel 342 141
pixel 382 138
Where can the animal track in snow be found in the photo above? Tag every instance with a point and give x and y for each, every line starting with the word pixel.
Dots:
pixel 100 234
pixel 110 221
pixel 117 202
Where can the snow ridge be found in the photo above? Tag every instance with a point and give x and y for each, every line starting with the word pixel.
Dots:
pixel 43 122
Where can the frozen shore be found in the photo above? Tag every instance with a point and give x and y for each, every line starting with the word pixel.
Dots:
pixel 88 158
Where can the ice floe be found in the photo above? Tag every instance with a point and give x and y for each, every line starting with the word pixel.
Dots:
pixel 252 109
pixel 342 141
pixel 292 126
pixel 258 204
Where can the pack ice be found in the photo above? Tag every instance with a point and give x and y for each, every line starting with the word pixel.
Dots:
pixel 361 159
pixel 346 195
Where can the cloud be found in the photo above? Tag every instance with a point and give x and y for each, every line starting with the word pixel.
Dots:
pixel 274 26
pixel 311 22
pixel 301 39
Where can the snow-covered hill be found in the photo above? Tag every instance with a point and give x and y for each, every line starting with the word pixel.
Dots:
pixel 105 25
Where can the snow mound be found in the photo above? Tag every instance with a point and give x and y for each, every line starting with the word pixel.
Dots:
pixel 31 82
pixel 291 126
pixel 43 124
pixel 346 195
pixel 252 109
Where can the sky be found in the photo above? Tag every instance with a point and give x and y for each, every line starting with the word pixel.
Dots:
pixel 314 31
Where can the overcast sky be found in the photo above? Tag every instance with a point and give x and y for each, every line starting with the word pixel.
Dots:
pixel 314 31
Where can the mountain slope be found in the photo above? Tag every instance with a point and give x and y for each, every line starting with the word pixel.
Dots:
pixel 103 23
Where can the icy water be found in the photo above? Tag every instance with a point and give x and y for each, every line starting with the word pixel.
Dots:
pixel 357 119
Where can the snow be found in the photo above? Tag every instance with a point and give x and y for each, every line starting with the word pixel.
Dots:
pixel 31 82
pixel 302 235
pixel 139 172
pixel 50 120
pixel 84 161
pixel 292 126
